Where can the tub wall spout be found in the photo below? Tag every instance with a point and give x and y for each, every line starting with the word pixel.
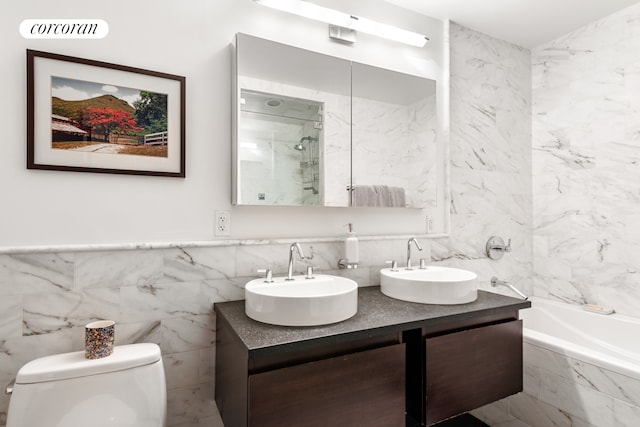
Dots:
pixel 496 282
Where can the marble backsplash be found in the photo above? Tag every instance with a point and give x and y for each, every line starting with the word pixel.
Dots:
pixel 163 296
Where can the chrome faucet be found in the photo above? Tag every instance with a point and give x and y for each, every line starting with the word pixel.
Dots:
pixel 294 246
pixel 413 239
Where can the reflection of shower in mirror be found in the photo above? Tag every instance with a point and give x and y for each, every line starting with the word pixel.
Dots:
pixel 300 147
pixel 285 168
pixel 309 164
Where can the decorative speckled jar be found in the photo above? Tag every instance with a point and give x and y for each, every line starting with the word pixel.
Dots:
pixel 98 339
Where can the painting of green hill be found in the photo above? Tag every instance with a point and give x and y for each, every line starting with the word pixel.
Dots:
pixel 74 109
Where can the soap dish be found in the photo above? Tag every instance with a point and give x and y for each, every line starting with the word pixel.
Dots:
pixel 598 309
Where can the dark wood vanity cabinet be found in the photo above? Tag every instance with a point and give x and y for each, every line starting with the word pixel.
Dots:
pixel 358 389
pixel 395 364
pixel 471 368
pixel 349 383
pixel 457 366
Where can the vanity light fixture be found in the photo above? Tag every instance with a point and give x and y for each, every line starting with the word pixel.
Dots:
pixel 346 21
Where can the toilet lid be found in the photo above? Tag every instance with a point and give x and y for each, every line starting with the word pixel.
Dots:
pixel 74 365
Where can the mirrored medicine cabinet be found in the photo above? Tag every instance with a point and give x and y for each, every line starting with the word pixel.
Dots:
pixel 311 129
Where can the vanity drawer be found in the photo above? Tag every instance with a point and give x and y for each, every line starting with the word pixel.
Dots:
pixel 471 368
pixel 359 389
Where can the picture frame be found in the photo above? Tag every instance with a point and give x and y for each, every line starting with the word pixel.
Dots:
pixel 93 116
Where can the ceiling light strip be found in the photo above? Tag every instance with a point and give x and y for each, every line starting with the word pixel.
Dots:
pixel 341 19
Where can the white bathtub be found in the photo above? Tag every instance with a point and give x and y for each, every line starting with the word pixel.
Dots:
pixel 608 341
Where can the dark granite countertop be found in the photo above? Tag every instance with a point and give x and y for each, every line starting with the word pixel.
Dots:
pixel 377 314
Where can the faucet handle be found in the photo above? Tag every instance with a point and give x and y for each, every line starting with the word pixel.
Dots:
pixel 500 246
pixel 496 248
pixel 10 386
pixel 309 272
pixel 268 274
pixel 394 264
pixel 423 263
pixel 507 248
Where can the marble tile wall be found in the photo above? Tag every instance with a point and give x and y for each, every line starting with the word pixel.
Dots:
pixel 585 152
pixel 490 157
pixel 490 167
pixel 159 296
pixel 586 163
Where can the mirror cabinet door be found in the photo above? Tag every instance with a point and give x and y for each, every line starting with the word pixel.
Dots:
pixel 394 138
pixel 292 133
pixel 315 130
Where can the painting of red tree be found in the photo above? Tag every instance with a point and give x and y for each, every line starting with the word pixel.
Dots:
pixel 105 121
pixel 108 119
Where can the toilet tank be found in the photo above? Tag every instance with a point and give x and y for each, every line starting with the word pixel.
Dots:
pixel 125 389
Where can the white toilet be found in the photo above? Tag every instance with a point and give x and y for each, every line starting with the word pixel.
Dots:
pixel 125 389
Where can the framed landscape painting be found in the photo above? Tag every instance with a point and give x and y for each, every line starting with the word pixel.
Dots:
pixel 92 116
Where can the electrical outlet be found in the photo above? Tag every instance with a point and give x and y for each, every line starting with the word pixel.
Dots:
pixel 429 225
pixel 223 223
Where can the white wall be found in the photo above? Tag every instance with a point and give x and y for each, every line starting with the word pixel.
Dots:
pixel 190 39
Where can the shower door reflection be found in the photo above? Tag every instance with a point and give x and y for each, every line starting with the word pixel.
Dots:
pixel 280 150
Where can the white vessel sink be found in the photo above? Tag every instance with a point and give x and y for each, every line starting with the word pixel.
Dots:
pixel 432 285
pixel 301 302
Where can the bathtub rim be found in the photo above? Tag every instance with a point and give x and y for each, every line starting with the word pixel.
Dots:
pixel 578 352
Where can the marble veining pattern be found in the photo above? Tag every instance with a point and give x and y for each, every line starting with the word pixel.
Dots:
pixel 585 164
pixel 490 157
pixel 584 152
pixel 100 269
pixel 564 391
pixel 55 311
pixel 187 264
pixel 35 272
